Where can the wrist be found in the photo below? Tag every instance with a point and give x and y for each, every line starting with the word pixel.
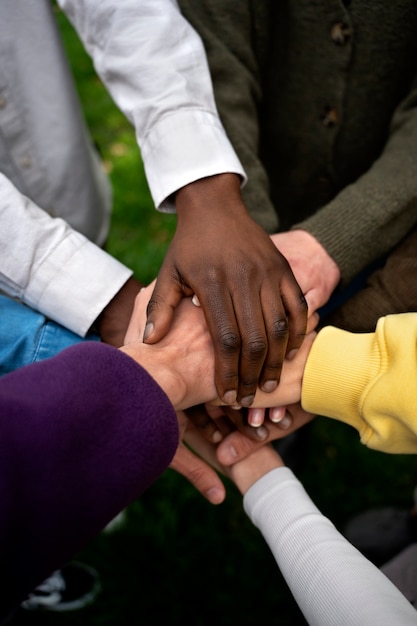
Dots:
pixel 208 193
pixel 320 253
pixel 148 357
pixel 245 473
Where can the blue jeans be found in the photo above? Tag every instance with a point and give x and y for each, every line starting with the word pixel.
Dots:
pixel 27 336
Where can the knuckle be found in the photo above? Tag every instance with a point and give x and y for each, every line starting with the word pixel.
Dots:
pixel 229 341
pixel 245 448
pixel 227 380
pixel 255 349
pixel 272 369
pixel 153 305
pixel 299 302
pixel 213 276
pixel 197 476
pixel 248 386
pixel 156 303
pixel 280 328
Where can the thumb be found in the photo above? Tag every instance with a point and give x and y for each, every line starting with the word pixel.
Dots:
pixel 165 298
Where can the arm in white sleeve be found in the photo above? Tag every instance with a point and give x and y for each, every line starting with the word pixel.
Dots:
pixel 331 581
pixel 154 65
pixel 44 260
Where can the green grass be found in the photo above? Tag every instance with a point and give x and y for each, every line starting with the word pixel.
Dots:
pixel 178 559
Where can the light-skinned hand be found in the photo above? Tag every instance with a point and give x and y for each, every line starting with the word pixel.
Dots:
pixel 182 364
pixel 243 472
pixel 236 446
pixel 315 270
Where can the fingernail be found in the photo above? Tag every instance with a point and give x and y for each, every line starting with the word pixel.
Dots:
pixel 269 385
pixel 247 400
pixel 195 300
pixel 148 331
pixel 276 414
pixel 256 417
pixel 291 354
pixel 261 433
pixel 232 451
pixel 215 495
pixel 230 397
pixel 217 436
pixel 285 422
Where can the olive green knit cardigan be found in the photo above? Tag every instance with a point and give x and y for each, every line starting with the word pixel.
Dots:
pixel 319 98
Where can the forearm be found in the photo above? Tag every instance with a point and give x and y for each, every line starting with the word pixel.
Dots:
pixel 377 210
pixel 330 580
pixel 154 65
pixel 359 379
pixel 52 268
pixel 71 461
pixel 233 36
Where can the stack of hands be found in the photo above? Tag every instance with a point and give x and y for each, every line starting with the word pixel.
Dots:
pixel 216 438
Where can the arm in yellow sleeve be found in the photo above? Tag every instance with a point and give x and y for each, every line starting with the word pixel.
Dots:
pixel 368 381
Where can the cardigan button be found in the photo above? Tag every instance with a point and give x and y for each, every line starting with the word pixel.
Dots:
pixel 329 118
pixel 340 33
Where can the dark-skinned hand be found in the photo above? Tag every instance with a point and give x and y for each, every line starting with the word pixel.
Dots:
pixel 255 310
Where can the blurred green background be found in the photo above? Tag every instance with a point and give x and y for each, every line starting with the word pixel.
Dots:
pixel 176 558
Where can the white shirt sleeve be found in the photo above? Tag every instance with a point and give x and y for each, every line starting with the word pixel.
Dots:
pixel 331 581
pixel 44 260
pixel 154 65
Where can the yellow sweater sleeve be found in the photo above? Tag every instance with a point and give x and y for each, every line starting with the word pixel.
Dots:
pixel 368 381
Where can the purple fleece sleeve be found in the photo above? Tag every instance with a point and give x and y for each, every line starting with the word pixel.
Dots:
pixel 81 435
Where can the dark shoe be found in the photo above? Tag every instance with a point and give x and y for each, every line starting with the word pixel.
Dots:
pixel 71 588
pixel 380 534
